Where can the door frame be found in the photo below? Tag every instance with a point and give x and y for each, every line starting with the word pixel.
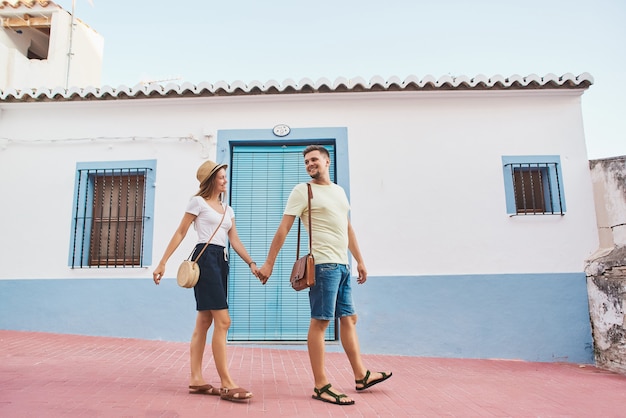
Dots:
pixel 337 137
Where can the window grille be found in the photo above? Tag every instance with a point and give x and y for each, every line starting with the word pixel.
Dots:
pixel 537 188
pixel 109 218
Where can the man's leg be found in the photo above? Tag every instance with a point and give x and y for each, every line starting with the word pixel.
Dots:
pixel 350 343
pixel 322 298
pixel 317 349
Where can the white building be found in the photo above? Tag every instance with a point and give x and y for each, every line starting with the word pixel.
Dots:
pixel 42 45
pixel 472 199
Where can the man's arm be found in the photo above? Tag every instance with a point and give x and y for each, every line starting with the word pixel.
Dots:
pixel 277 243
pixel 353 246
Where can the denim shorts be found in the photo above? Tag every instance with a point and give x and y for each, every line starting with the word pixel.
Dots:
pixel 331 297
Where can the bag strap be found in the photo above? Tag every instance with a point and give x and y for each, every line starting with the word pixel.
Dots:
pixel 310 196
pixel 214 232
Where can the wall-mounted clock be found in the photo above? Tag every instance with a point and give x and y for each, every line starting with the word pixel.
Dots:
pixel 281 130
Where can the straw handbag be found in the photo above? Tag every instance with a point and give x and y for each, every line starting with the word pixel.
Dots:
pixel 189 271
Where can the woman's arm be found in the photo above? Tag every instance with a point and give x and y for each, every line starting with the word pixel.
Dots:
pixel 177 238
pixel 239 248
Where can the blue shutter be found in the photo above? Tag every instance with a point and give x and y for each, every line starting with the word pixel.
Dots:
pixel 261 179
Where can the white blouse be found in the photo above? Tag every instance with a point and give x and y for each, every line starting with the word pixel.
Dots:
pixel 207 220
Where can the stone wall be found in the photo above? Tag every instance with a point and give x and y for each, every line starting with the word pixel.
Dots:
pixel 606 269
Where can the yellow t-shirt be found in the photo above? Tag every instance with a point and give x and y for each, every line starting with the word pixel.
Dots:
pixel 329 208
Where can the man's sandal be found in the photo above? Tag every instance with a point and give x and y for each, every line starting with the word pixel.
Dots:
pixel 369 383
pixel 236 394
pixel 326 389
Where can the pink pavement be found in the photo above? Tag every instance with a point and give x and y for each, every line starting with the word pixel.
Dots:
pixel 58 375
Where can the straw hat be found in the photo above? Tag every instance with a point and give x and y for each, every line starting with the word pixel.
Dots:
pixel 207 169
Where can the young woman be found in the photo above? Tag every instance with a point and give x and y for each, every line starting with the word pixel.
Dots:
pixel 205 210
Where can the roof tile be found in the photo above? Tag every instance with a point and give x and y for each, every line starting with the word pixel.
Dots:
pixel 305 85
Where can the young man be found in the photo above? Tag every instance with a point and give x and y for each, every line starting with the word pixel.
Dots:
pixel 331 296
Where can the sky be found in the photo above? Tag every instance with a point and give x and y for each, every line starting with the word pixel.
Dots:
pixel 249 40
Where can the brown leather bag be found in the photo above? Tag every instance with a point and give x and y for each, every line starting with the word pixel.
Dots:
pixel 303 271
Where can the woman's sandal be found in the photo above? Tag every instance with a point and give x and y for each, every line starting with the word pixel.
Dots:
pixel 367 383
pixel 204 390
pixel 326 389
pixel 230 394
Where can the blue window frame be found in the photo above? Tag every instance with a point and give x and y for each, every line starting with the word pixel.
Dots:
pixel 112 215
pixel 533 185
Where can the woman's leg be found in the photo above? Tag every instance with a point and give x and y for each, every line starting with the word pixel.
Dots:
pixel 196 348
pixel 218 345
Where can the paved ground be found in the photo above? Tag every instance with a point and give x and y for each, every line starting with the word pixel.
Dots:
pixel 55 375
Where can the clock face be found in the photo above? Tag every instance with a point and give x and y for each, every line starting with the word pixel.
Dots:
pixel 281 130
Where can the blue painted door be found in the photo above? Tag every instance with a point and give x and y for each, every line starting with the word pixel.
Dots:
pixel 261 179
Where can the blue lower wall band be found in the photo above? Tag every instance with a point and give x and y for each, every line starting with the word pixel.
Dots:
pixel 531 317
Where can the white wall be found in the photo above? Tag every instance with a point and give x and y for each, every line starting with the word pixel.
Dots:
pixel 19 72
pixel 427 187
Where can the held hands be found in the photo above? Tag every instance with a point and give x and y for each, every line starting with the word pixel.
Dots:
pixel 254 269
pixel 264 273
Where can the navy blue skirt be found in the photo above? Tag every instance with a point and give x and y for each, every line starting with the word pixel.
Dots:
pixel 212 286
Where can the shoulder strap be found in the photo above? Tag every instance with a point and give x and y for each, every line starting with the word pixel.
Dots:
pixel 309 197
pixel 214 232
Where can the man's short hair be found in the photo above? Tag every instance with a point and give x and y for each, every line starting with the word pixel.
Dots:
pixel 319 148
